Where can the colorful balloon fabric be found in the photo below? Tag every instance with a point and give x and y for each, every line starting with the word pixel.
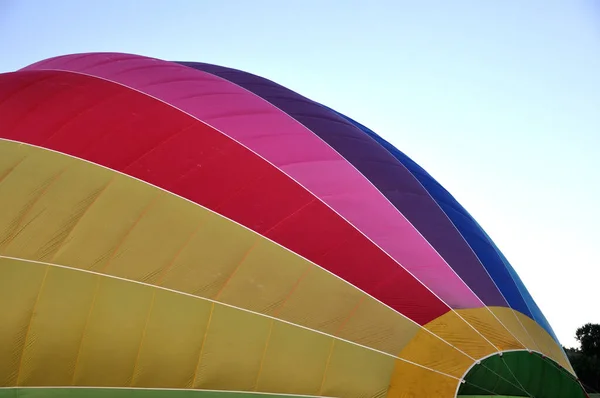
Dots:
pixel 176 229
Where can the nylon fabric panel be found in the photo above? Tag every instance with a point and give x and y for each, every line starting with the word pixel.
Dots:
pixel 127 393
pixel 62 340
pixel 344 360
pixel 19 289
pixel 173 336
pixel 230 349
pixel 123 314
pixel 429 351
pixel 412 382
pixel 135 231
pixel 290 346
pixel 289 146
pixel 485 323
pixel 509 318
pixel 455 331
pixel 193 156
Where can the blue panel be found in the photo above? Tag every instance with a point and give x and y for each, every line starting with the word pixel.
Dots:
pixel 490 256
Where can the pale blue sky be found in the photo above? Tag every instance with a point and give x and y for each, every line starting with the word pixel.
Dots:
pixel 499 100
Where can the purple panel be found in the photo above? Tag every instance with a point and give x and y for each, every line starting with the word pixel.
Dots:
pixel 382 169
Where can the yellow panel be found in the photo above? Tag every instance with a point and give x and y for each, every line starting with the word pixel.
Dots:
pixel 11 158
pixel 172 340
pixel 210 257
pixel 545 342
pixel 93 218
pixel 101 232
pixel 378 326
pixel 294 361
pixel 265 278
pixel 167 224
pixel 113 334
pixel 486 324
pixel 56 330
pixel 451 328
pixel 51 219
pixel 19 289
pixel 428 350
pixel 335 299
pixel 110 332
pixel 509 318
pixel 354 372
pixel 22 188
pixel 411 382
pixel 232 351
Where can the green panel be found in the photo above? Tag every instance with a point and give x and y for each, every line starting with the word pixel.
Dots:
pixel 520 374
pixel 79 392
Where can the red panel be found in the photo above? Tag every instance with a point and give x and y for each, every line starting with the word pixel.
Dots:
pixel 133 133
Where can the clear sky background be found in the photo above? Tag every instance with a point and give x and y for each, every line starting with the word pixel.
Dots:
pixel 498 100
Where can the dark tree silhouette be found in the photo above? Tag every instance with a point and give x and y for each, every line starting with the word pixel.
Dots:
pixel 586 358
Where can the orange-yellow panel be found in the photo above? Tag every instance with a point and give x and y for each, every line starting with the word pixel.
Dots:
pixel 429 351
pixel 412 382
pixel 451 328
pixel 490 327
pixel 19 289
pixel 508 317
pixel 545 342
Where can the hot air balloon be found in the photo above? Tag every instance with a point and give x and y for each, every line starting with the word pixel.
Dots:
pixel 179 229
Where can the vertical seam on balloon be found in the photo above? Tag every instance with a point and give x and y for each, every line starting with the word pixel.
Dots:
pixel 31 318
pixel 86 211
pixel 264 354
pixel 85 327
pixel 119 244
pixel 11 169
pixel 197 369
pixel 350 315
pixel 292 214
pixel 113 277
pixel 12 235
pixel 157 145
pixel 292 290
pixel 139 351
pixel 327 364
pixel 237 267
pixel 171 263
pixel 253 232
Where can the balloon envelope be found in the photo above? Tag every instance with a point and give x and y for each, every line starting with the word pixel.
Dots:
pixel 186 229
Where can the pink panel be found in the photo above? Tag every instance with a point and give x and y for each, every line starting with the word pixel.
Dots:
pixel 287 144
